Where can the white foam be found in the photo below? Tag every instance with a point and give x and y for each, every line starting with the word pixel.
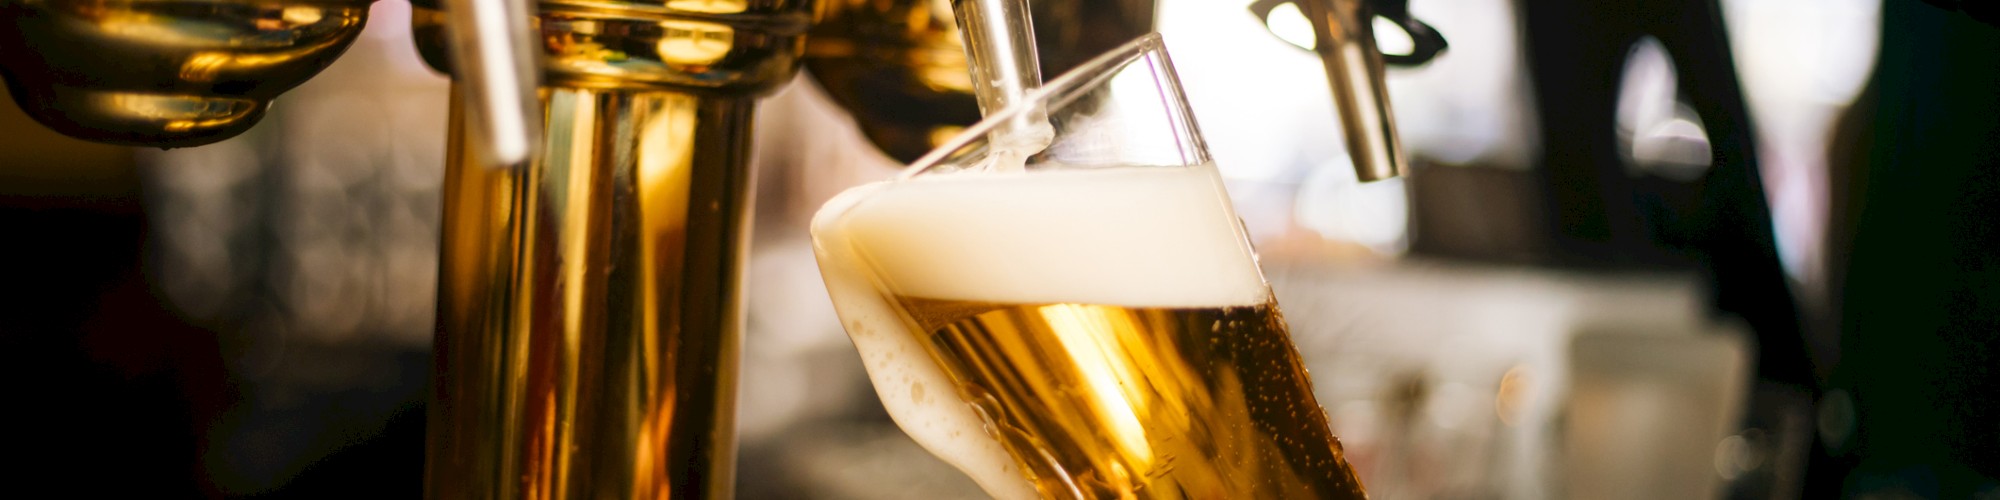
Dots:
pixel 1159 237
pixel 918 396
pixel 1139 236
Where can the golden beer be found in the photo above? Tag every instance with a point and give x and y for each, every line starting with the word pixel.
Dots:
pixel 1097 333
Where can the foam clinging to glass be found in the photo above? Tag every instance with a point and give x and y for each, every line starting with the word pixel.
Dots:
pixel 1129 236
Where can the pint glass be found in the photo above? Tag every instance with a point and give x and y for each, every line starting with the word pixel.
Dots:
pixel 1079 314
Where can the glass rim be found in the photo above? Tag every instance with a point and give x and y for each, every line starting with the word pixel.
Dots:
pixel 1089 74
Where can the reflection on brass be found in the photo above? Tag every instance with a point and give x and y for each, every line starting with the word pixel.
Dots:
pixel 899 65
pixel 165 73
pixel 587 321
pixel 593 48
pixel 589 316
pixel 709 6
pixel 694 43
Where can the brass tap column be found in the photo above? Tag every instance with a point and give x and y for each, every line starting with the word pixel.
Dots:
pixel 589 309
pixel 166 73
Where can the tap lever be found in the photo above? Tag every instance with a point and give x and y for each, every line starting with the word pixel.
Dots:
pixel 492 52
pixel 1425 41
pixel 1344 37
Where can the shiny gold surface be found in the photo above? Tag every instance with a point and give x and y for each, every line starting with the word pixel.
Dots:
pixel 718 47
pixel 1102 401
pixel 588 309
pixel 899 65
pixel 166 73
pixel 589 315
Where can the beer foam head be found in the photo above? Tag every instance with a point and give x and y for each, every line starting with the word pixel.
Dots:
pixel 915 391
pixel 1134 236
pixel 1140 237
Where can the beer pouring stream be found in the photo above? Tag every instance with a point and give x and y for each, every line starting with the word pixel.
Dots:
pixel 1000 52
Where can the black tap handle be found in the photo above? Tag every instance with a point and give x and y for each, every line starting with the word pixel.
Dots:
pixel 1985 11
pixel 1425 41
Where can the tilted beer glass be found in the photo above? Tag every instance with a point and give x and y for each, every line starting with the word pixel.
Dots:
pixel 1079 315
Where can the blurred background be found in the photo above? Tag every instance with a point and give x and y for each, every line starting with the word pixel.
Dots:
pixel 1648 249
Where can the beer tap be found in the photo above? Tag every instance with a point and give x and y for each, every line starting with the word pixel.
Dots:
pixel 596 199
pixel 596 194
pixel 1344 38
pixel 900 66
pixel 590 313
pixel 166 74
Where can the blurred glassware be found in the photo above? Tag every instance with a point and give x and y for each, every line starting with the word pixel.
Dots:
pixel 1470 401
pixel 1649 410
